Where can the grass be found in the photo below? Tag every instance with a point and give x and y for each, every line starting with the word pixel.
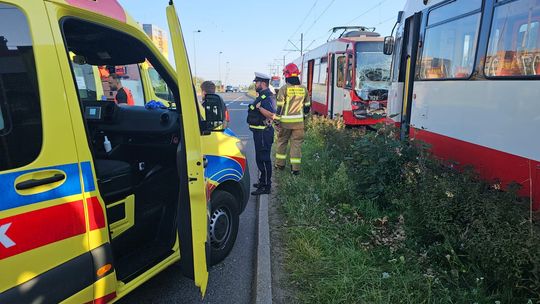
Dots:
pixel 372 220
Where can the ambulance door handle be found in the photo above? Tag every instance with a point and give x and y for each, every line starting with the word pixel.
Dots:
pixel 32 183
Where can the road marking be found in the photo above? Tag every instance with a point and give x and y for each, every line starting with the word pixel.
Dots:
pixel 238 98
pixel 245 104
pixel 4 239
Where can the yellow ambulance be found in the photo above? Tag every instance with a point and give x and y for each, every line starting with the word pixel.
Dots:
pixel 97 197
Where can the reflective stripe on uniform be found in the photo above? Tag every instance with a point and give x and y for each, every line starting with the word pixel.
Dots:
pixel 263 96
pixel 298 91
pixel 257 127
pixel 296 160
pixel 292 118
pixel 281 156
pixel 280 103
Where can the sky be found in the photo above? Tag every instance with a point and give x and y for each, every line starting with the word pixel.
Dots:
pixel 252 35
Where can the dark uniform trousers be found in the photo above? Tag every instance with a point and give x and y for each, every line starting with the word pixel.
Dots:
pixel 263 139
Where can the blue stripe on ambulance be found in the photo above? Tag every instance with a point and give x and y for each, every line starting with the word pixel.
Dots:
pixel 88 177
pixel 229 132
pixel 221 169
pixel 12 199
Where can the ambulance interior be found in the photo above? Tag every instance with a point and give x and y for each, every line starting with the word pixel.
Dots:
pixel 139 173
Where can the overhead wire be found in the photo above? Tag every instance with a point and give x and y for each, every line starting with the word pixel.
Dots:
pixel 317 19
pixel 302 23
pixel 386 20
pixel 367 11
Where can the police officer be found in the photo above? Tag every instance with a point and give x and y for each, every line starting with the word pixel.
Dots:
pixel 293 103
pixel 260 117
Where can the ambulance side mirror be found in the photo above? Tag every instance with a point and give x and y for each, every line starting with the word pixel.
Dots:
pixel 214 108
pixel 389 42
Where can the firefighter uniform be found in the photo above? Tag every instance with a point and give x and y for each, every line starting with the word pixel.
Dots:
pixel 293 102
pixel 263 134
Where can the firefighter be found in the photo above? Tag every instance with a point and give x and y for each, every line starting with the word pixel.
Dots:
pixel 293 103
pixel 260 117
pixel 123 94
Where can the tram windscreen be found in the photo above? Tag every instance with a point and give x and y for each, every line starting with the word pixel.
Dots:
pixel 372 71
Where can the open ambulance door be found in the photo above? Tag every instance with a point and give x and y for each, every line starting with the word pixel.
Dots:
pixel 193 226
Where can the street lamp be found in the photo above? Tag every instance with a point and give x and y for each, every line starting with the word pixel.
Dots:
pixel 227 70
pixel 195 57
pixel 219 66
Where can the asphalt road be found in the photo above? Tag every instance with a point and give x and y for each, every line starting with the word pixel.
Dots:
pixel 230 281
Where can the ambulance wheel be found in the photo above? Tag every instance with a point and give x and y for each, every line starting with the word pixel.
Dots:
pixel 223 225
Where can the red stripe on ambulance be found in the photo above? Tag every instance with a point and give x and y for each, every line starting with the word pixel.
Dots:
pixel 41 227
pixel 95 214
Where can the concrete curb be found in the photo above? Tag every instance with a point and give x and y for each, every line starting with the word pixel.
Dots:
pixel 263 289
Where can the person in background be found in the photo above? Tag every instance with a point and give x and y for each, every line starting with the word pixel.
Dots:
pixel 123 95
pixel 208 87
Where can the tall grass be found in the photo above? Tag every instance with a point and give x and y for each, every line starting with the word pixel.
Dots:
pixel 375 220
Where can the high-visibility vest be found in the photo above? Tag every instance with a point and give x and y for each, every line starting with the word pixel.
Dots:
pixel 291 100
pixel 130 100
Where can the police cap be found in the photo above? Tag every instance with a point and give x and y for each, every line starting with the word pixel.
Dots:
pixel 261 77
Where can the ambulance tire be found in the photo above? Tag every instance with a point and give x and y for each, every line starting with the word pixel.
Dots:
pixel 223 225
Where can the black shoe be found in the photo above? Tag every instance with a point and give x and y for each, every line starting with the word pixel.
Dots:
pixel 262 190
pixel 258 185
pixel 295 172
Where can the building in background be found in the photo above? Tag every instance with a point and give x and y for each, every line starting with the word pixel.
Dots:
pixel 159 37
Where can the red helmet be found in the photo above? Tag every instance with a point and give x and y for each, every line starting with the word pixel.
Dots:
pixel 291 70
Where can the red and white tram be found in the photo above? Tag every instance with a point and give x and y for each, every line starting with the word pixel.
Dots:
pixel 348 77
pixel 466 80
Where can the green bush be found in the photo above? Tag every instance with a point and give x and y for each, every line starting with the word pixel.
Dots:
pixel 463 240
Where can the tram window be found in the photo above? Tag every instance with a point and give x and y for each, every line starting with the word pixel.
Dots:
pixel 341 62
pixel 396 62
pixel 316 69
pixel 514 45
pixel 350 66
pixel 323 72
pixel 449 48
pixel 304 73
pixel 452 10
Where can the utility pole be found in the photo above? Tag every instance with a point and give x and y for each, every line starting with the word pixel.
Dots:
pixel 298 49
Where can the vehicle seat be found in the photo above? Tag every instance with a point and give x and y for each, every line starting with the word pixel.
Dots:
pixel 114 179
